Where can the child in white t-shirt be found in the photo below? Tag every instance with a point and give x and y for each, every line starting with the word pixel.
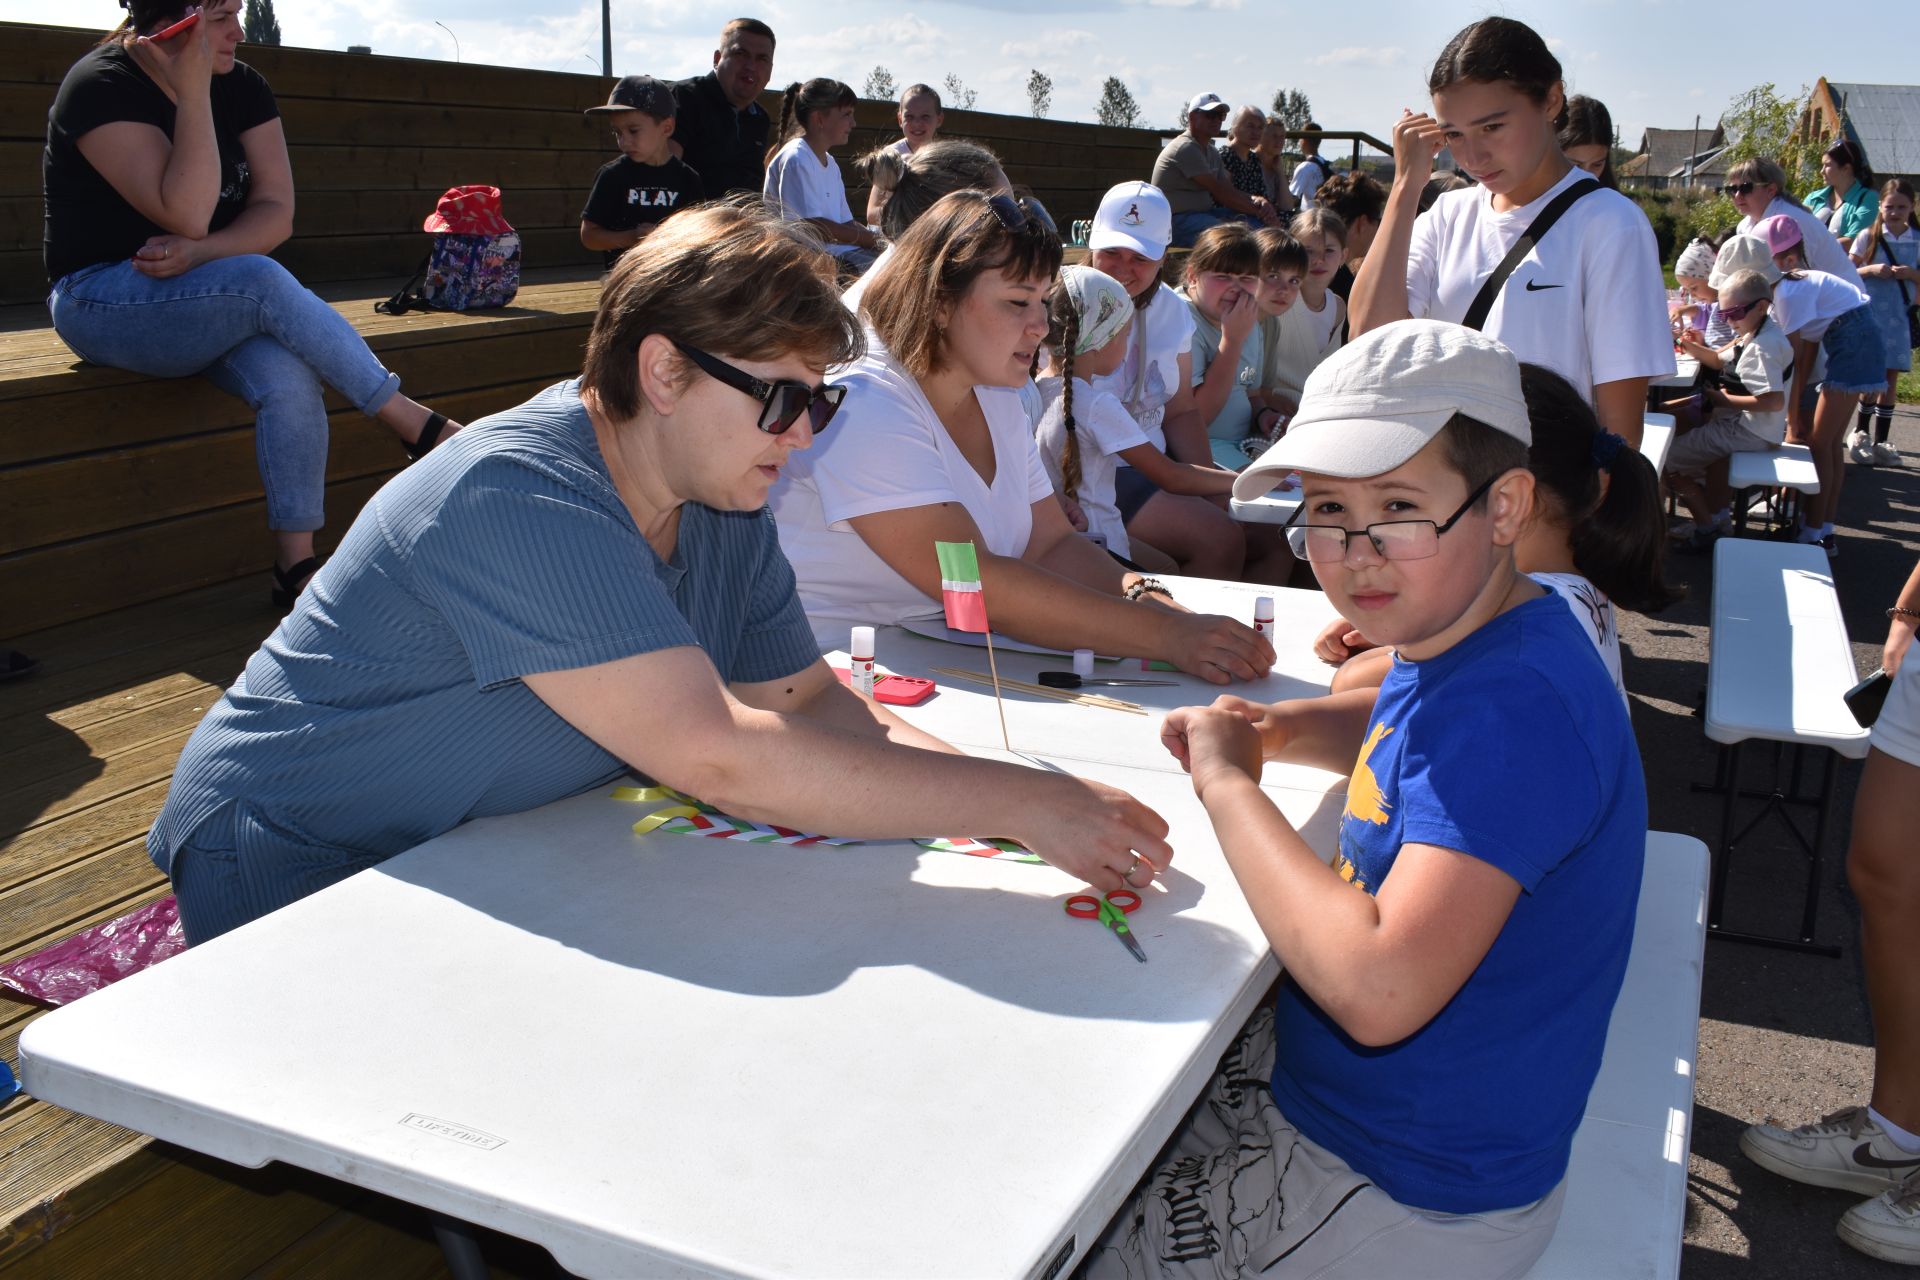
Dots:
pixel 920 115
pixel 1083 432
pixel 803 181
pixel 1750 406
pixel 1828 316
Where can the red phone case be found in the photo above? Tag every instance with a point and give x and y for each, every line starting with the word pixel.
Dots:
pixel 177 27
pixel 898 691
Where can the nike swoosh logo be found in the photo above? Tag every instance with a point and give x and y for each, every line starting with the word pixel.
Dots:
pixel 1863 1156
pixel 1535 288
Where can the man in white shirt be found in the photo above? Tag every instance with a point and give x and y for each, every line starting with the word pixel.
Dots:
pixel 1311 172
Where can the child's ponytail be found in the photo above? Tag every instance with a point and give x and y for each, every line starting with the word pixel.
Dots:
pixel 1615 530
pixel 788 124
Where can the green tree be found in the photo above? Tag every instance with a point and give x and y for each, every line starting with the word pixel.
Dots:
pixel 1039 92
pixel 959 96
pixel 879 86
pixel 258 23
pixel 1118 106
pixel 1291 108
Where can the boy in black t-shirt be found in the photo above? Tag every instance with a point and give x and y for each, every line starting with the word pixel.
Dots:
pixel 648 183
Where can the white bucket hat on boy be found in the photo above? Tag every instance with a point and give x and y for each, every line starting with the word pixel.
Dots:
pixel 1384 396
pixel 1136 216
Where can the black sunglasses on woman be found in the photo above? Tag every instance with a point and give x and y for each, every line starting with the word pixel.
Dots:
pixel 781 401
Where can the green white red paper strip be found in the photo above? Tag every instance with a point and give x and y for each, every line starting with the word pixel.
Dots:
pixel 960 594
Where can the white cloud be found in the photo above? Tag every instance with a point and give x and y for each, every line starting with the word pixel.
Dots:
pixel 1361 56
pixel 1050 44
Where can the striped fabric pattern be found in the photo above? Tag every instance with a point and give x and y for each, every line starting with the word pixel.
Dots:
pixel 960 593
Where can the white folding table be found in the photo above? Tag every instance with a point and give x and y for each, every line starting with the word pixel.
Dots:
pixel 667 1055
pixel 1686 369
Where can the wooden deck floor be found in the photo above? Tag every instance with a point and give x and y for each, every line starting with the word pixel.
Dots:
pixel 87 746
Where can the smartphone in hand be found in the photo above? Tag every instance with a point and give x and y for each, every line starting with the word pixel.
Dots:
pixel 185 24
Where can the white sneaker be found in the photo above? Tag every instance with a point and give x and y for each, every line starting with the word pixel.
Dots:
pixel 1860 447
pixel 1888 1226
pixel 1887 456
pixel 1846 1150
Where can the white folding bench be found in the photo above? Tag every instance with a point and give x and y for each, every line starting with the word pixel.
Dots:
pixel 1788 468
pixel 1656 437
pixel 1778 667
pixel 1626 1204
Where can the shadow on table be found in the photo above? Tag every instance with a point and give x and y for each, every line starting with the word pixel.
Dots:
pixel 784 921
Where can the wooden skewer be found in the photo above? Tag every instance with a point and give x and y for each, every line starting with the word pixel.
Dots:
pixel 1058 695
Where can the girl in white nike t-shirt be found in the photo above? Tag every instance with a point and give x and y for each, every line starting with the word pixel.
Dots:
pixel 1588 301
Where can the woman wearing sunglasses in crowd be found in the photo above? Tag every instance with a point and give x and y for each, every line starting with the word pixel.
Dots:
pixel 523 616
pixel 1758 189
pixel 932 445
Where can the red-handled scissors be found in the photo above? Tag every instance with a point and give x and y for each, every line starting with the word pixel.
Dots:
pixel 1112 911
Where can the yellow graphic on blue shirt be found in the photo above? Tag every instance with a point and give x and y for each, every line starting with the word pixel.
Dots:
pixel 1366 802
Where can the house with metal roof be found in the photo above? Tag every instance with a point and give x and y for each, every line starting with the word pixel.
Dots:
pixel 1883 119
pixel 1667 156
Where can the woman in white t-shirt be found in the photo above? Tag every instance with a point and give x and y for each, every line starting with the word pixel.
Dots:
pixel 920 117
pixel 803 181
pixel 931 445
pixel 1588 301
pixel 1758 189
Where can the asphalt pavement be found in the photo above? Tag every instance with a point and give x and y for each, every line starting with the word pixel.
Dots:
pixel 1782 1034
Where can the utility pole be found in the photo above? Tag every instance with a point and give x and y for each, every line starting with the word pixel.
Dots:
pixel 606 37
pixel 1694 154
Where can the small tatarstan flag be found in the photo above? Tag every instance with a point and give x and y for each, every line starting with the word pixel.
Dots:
pixel 960 592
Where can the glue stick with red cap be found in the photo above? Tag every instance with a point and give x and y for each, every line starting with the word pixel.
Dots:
pixel 1263 616
pixel 862 664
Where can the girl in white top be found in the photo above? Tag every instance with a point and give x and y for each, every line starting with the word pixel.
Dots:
pixel 1888 255
pixel 803 181
pixel 931 445
pixel 1758 189
pixel 1828 317
pixel 1588 301
pixel 1082 432
pixel 920 117
pixel 1592 542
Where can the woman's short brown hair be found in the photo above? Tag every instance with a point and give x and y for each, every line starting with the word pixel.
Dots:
pixel 958 240
pixel 729 279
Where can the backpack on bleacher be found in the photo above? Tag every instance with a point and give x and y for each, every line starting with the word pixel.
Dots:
pixel 475 259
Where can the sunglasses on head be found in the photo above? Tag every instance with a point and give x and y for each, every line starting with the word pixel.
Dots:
pixel 1012 213
pixel 1737 189
pixel 782 401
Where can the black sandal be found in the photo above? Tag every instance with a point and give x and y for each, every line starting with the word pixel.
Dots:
pixel 429 436
pixel 288 582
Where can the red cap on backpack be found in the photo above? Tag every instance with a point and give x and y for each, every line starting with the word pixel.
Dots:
pixel 468 211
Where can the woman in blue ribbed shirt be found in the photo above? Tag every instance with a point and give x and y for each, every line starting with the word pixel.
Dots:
pixel 588 584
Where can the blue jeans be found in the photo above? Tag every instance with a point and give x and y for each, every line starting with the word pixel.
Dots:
pixel 256 333
pixel 1188 226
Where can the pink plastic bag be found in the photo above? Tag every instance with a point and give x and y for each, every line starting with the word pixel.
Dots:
pixel 98 957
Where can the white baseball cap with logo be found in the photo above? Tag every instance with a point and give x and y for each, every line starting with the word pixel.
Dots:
pixel 1136 216
pixel 1383 397
pixel 1206 102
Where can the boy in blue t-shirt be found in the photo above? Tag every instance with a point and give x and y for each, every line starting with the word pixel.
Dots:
pixel 1408 1106
pixel 648 183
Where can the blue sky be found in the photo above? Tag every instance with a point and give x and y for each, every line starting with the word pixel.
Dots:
pixel 1653 62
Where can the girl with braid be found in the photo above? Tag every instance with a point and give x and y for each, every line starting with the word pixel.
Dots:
pixel 803 182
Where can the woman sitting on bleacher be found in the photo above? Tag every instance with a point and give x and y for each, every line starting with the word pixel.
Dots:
pixel 589 583
pixel 167 181
pixel 933 445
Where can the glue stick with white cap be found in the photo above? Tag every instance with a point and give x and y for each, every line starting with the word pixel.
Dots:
pixel 1263 616
pixel 1083 663
pixel 862 654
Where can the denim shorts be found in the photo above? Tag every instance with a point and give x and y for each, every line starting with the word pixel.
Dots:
pixel 1856 355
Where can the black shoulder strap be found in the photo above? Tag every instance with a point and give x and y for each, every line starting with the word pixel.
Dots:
pixel 1542 223
pixel 410 297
